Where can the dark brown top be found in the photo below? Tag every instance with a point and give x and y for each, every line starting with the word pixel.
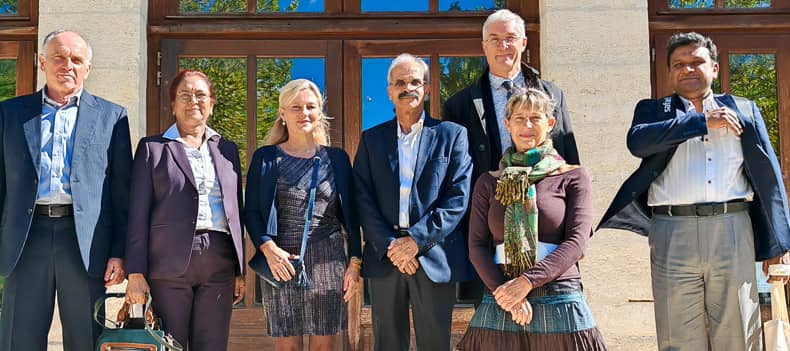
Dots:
pixel 565 217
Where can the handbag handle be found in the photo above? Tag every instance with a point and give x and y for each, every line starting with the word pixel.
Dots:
pixel 168 342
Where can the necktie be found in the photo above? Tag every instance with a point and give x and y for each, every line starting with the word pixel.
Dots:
pixel 508 85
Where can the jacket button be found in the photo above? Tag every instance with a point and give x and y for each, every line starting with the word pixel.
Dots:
pixel 29 211
pixel 481 147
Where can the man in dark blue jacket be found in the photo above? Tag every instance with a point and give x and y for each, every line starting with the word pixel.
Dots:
pixel 65 161
pixel 412 177
pixel 709 195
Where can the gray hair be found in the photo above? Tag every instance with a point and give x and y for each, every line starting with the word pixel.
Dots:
pixel 505 15
pixel 408 58
pixel 49 37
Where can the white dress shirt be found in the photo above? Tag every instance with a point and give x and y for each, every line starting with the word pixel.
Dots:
pixel 211 212
pixel 703 169
pixel 408 147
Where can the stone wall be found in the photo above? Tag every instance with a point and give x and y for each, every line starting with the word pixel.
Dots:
pixel 598 52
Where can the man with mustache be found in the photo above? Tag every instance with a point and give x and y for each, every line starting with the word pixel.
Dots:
pixel 709 195
pixel 65 160
pixel 412 177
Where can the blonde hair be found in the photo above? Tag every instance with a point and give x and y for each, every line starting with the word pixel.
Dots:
pixel 278 134
pixel 533 99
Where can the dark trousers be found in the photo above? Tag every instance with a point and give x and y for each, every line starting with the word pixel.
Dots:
pixel 432 310
pixel 50 262
pixel 196 307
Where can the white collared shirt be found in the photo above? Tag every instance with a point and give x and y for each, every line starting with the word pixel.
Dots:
pixel 408 147
pixel 703 169
pixel 56 149
pixel 211 211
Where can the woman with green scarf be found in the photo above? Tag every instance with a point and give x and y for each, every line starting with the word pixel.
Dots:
pixel 528 228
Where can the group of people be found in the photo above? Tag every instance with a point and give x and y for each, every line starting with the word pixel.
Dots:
pixel 493 193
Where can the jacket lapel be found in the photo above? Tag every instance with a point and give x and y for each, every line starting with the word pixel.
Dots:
pixel 391 139
pixel 180 156
pixel 426 142
pixel 32 127
pixel 84 127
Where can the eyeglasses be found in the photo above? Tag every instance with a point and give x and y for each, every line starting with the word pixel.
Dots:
pixel 522 121
pixel 414 84
pixel 188 97
pixel 508 41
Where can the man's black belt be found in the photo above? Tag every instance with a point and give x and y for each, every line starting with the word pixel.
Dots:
pixel 54 211
pixel 702 210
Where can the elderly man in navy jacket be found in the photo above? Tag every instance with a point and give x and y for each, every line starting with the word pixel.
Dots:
pixel 65 160
pixel 709 195
pixel 412 175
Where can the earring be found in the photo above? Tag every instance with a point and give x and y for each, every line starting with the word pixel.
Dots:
pixel 283 122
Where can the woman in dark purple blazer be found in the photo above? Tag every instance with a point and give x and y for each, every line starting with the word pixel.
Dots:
pixel 185 243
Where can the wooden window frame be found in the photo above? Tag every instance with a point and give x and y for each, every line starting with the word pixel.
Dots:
pixel 22 51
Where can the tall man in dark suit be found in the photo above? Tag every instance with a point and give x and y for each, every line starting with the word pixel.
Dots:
pixel 481 107
pixel 710 197
pixel 412 175
pixel 65 160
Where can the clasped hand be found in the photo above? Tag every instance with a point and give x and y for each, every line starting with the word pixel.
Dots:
pixel 403 254
pixel 512 297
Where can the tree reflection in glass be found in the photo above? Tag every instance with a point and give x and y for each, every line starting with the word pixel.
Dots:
pixel 212 6
pixel 753 76
pixel 7 79
pixel 268 6
pixel 229 81
pixel 9 7
pixel 471 5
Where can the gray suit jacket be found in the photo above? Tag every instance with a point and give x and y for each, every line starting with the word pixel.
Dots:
pixel 100 170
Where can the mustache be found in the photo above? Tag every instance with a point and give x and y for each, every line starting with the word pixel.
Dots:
pixel 410 94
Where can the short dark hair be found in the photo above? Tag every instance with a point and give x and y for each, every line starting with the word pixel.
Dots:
pixel 692 38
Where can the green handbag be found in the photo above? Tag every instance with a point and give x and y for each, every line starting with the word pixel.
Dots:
pixel 125 337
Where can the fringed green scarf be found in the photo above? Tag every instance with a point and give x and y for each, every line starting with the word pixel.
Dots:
pixel 515 190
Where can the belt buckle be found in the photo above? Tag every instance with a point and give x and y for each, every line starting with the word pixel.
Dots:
pixel 704 210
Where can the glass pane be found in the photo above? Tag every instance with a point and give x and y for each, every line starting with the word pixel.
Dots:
pixel 266 6
pixel 212 6
pixel 376 105
pixel 753 76
pixel 229 81
pixel 401 5
pixel 471 5
pixel 7 78
pixel 9 7
pixel 273 74
pixel 691 4
pixel 747 4
pixel 458 73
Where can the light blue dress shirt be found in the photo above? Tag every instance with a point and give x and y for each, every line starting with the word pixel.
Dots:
pixel 499 94
pixel 57 145
pixel 211 212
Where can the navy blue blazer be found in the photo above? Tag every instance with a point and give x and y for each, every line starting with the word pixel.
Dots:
pixel 100 171
pixel 260 210
pixel 654 136
pixel 439 196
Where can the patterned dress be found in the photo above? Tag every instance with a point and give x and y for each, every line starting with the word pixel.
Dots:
pixel 318 309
